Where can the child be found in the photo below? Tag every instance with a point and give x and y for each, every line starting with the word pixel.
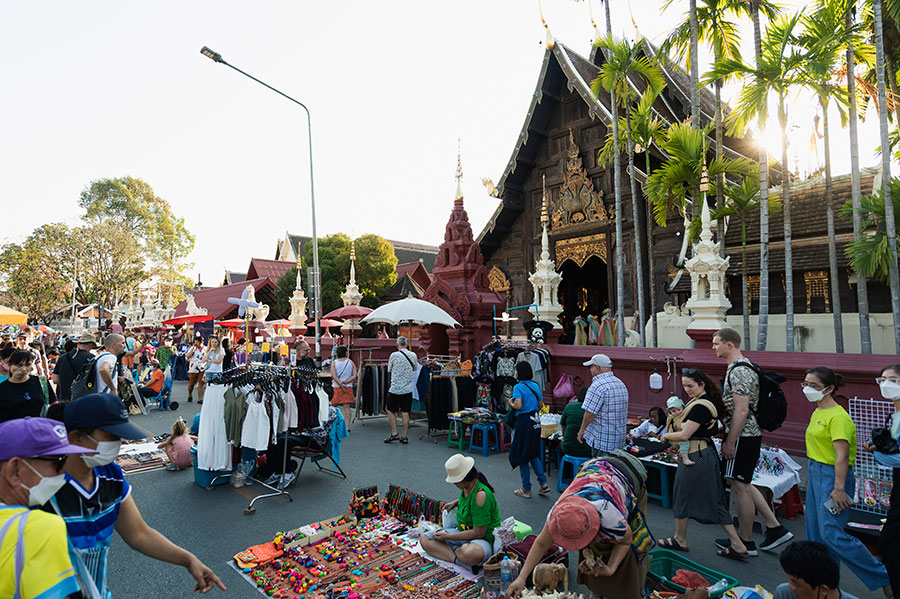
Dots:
pixel 178 446
pixel 675 406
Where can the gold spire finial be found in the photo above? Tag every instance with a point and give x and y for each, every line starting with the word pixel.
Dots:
pixel 550 40
pixel 591 13
pixel 545 217
pixel 704 174
pixel 459 172
pixel 352 250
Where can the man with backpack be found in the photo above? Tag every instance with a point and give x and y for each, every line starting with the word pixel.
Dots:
pixel 71 363
pixel 743 441
pixel 108 364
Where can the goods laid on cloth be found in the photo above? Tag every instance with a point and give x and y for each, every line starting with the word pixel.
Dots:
pixel 341 556
pixel 141 457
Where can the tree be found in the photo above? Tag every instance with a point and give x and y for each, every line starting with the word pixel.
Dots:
pixel 740 202
pixel 376 271
pixel 778 69
pixel 133 206
pixel 886 183
pixel 31 280
pixel 870 255
pixel 624 63
pixel 111 266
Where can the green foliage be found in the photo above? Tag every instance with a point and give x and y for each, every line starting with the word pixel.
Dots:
pixel 376 271
pixel 646 128
pixel 870 256
pixel 625 61
pixel 32 281
pixel 672 185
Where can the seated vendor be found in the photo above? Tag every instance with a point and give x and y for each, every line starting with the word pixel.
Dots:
pixel 654 426
pixel 569 423
pixel 477 514
pixel 153 387
pixel 811 572
pixel 600 516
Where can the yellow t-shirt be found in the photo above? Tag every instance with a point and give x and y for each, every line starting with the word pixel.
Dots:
pixel 47 571
pixel 826 427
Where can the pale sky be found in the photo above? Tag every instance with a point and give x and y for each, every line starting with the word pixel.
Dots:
pixel 106 89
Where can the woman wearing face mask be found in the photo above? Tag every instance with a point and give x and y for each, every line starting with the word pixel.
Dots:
pixel 889 542
pixel 831 449
pixel 96 498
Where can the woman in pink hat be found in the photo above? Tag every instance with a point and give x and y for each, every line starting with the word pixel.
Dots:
pixel 600 515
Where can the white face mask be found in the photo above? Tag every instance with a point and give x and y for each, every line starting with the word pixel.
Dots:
pixel 107 452
pixel 41 493
pixel 813 395
pixel 890 389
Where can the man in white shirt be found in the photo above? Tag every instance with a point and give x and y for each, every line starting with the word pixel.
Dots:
pixel 401 367
pixel 107 372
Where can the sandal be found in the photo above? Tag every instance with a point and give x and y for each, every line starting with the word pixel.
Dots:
pixel 730 553
pixel 171 467
pixel 522 493
pixel 391 439
pixel 544 490
pixel 404 440
pixel 672 543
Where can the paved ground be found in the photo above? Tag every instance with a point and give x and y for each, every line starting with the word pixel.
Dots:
pixel 212 524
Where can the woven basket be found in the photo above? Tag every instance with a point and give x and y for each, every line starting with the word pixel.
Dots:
pixel 492 570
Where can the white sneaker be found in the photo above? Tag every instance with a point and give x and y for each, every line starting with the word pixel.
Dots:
pixel 272 479
pixel 287 480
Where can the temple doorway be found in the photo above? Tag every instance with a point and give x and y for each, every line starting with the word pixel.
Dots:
pixel 584 290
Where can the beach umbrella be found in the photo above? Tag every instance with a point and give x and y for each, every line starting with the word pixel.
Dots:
pixel 349 312
pixel 410 311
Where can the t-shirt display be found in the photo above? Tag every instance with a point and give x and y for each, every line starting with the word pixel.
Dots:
pixel 18 400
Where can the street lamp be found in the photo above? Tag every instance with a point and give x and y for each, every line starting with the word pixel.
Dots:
pixel 216 57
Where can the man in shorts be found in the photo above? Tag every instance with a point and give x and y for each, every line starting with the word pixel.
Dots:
pixel 740 451
pixel 401 368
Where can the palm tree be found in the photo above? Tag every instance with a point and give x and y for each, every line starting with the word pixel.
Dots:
pixel 624 63
pixel 824 40
pixel 641 128
pixel 722 35
pixel 890 224
pixel 671 185
pixel 778 70
pixel 741 201
pixel 870 255
pixel 862 294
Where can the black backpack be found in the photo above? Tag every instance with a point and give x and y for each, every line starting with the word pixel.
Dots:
pixel 771 409
pixel 85 381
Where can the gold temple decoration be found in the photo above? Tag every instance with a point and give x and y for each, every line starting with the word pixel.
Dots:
pixel 498 281
pixel 580 249
pixel 752 291
pixel 816 286
pixel 579 203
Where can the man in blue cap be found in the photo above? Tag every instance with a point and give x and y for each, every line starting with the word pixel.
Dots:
pixel 96 498
pixel 34 556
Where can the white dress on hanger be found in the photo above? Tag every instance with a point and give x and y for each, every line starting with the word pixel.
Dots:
pixel 255 432
pixel 213 449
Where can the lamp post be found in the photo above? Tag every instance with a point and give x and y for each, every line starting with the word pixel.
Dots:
pixel 216 57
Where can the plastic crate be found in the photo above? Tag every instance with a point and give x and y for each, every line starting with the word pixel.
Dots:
pixel 665 563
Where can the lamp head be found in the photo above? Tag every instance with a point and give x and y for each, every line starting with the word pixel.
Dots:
pixel 211 54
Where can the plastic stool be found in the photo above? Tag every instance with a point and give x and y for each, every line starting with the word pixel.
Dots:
pixel 576 463
pixel 504 438
pixel 791 503
pixel 484 444
pixel 460 429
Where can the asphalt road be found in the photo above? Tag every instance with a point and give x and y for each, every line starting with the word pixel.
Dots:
pixel 212 524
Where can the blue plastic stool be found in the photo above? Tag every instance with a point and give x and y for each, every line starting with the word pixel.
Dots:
pixel 576 463
pixel 485 444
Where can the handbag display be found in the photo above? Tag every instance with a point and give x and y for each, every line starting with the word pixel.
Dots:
pixel 564 389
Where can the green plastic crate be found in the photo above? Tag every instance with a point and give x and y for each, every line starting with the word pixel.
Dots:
pixel 665 563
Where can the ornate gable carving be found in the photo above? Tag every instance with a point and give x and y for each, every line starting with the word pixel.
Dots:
pixel 497 280
pixel 578 201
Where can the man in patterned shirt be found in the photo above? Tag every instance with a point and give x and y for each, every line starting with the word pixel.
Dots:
pixel 741 448
pixel 401 368
pixel 605 408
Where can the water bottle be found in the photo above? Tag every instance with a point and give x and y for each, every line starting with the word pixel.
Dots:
pixel 719 586
pixel 505 574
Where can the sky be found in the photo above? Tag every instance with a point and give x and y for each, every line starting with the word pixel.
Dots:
pixel 98 89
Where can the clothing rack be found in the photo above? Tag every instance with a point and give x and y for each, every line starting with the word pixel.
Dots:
pixel 357 412
pixel 269 379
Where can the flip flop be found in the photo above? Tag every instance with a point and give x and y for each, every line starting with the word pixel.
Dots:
pixel 672 543
pixel 522 493
pixel 730 553
pixel 404 440
pixel 544 490
pixel 391 439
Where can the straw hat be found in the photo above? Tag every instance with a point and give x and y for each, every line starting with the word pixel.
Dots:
pixel 86 338
pixel 458 466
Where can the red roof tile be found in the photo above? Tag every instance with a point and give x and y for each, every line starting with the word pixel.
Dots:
pixel 274 269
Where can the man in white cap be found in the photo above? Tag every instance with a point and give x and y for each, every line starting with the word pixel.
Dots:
pixel 604 425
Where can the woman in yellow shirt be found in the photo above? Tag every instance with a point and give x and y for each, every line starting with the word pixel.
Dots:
pixel 831 449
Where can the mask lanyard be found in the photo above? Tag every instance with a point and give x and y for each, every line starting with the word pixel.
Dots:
pixel 85 580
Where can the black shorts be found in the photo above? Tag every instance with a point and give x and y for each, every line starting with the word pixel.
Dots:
pixel 399 402
pixel 746 455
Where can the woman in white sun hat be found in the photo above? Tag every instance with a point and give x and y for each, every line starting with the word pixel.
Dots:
pixel 477 514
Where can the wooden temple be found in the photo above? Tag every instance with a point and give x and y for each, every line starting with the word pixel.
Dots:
pixel 564 129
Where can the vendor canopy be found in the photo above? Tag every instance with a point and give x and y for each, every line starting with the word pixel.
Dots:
pixel 10 316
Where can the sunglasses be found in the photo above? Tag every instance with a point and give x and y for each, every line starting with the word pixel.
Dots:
pixel 60 461
pixel 689 371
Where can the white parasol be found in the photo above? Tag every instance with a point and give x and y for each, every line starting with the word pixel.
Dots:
pixel 410 310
